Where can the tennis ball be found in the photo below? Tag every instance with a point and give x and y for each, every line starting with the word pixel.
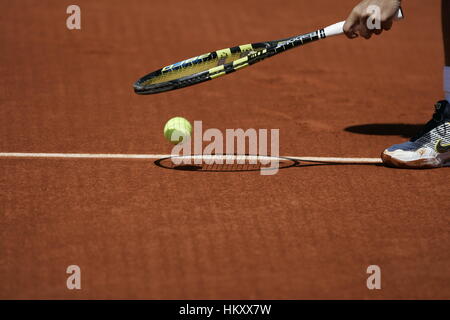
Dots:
pixel 176 129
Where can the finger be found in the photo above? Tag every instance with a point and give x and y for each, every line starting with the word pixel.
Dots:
pixel 363 30
pixel 349 26
pixel 378 31
pixel 350 32
pixel 387 25
pixel 367 35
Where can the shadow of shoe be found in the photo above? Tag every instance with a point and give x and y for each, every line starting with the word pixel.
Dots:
pixel 386 129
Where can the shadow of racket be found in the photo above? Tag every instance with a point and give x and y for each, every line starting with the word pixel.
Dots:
pixel 249 163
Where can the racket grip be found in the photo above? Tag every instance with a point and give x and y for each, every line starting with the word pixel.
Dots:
pixel 338 28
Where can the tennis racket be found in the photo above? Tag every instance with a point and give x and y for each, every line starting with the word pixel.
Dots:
pixel 221 62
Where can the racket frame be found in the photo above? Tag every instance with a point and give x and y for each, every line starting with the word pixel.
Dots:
pixel 257 52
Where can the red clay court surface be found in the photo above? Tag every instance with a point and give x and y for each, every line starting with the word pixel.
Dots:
pixel 140 231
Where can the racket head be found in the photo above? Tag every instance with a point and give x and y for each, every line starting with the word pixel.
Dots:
pixel 202 68
pixel 217 63
pixel 226 163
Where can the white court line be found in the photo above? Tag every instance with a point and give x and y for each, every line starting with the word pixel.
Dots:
pixel 160 156
pixel 82 155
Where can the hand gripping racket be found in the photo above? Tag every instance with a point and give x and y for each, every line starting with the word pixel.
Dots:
pixel 218 63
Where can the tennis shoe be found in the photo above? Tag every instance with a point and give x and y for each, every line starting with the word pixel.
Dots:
pixel 430 148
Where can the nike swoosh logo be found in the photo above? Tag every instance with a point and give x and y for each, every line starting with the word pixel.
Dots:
pixel 440 148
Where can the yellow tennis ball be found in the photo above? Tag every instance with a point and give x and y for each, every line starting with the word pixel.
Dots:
pixel 176 129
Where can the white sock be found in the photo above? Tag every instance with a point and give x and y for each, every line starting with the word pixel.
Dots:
pixel 447 83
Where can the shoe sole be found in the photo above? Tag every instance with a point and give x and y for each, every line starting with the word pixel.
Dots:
pixel 430 163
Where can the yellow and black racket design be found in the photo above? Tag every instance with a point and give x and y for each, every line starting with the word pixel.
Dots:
pixel 218 63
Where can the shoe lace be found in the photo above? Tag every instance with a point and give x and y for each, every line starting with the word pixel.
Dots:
pixel 437 119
